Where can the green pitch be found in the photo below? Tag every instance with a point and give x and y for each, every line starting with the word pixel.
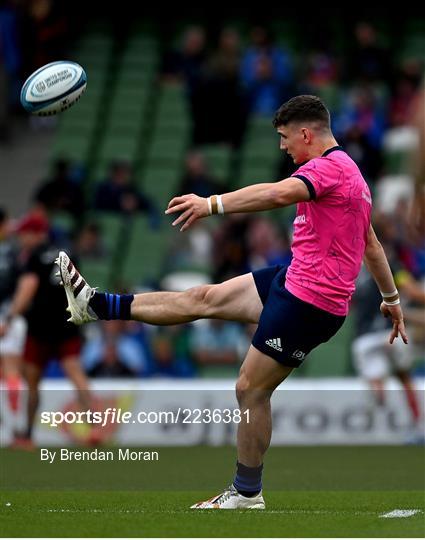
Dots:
pixel 309 491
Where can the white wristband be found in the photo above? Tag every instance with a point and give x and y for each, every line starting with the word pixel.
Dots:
pixel 220 205
pixel 393 303
pixel 388 294
pixel 209 206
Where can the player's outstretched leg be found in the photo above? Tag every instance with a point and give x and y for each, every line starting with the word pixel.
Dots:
pixel 236 299
pixel 258 378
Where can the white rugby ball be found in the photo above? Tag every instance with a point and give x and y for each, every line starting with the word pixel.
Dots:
pixel 53 88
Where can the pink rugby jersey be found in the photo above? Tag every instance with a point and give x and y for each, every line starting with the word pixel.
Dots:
pixel 330 232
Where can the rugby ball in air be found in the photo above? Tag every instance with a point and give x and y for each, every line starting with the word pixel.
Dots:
pixel 53 88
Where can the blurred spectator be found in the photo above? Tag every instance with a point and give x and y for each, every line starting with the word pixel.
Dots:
pixel 185 63
pixel 191 251
pixel 61 193
pixel 266 247
pixel 219 111
pixel 360 125
pixel 171 352
pixel 363 109
pixel 225 59
pixel 119 194
pixel 394 235
pixel 230 249
pixel 369 60
pixel 266 73
pixel 88 244
pixel 404 93
pixel 196 178
pixel 417 213
pixel 141 333
pixel 322 70
pixel 217 342
pixel 321 77
pixel 44 33
pixel 407 270
pixel 10 65
pixel 368 158
pixel 115 353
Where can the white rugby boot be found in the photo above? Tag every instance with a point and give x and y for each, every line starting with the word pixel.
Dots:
pixel 78 292
pixel 230 499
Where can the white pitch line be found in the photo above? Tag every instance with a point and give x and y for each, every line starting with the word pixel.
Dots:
pixel 207 511
pixel 397 513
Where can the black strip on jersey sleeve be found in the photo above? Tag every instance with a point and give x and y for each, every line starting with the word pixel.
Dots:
pixel 309 185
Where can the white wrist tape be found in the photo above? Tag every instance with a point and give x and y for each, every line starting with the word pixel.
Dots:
pixel 388 294
pixel 220 205
pixel 209 206
pixel 392 303
pixel 390 298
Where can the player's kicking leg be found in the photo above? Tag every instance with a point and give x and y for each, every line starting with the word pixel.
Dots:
pixel 258 378
pixel 236 299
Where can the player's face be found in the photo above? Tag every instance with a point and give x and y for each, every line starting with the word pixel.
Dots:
pixel 293 142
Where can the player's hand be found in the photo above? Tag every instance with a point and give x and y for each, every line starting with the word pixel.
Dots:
pixel 396 315
pixel 191 207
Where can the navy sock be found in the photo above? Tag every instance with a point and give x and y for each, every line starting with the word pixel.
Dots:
pixel 112 306
pixel 248 480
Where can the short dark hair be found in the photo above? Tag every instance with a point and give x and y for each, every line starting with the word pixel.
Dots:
pixel 302 109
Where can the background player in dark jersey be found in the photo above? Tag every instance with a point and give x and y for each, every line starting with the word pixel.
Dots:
pixel 38 293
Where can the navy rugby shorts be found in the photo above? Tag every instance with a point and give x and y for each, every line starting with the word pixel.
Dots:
pixel 289 328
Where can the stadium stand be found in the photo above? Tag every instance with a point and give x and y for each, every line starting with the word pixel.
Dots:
pixel 78 130
pixel 129 113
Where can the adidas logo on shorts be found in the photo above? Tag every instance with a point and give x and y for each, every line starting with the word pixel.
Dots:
pixel 275 343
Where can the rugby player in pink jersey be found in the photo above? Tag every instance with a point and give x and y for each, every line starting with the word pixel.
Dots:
pixel 296 308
